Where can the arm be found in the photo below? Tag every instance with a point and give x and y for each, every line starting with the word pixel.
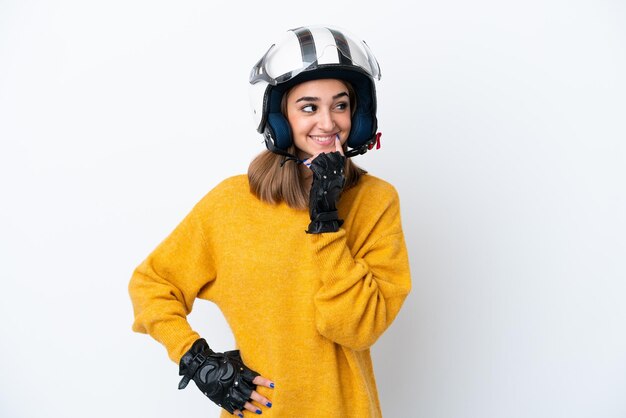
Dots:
pixel 163 288
pixel 361 295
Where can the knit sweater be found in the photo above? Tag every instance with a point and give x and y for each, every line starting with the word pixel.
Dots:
pixel 304 309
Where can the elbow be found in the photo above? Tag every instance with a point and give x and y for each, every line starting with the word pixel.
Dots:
pixel 357 337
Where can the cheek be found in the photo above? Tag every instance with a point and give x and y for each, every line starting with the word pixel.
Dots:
pixel 299 130
pixel 346 122
pixel 296 123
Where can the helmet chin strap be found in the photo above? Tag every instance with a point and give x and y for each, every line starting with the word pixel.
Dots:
pixel 375 140
pixel 269 143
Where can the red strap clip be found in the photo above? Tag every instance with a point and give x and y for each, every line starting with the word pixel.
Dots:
pixel 378 135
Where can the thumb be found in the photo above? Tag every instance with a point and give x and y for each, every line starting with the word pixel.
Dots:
pixel 338 146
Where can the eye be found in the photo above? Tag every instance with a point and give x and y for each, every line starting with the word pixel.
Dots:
pixel 342 106
pixel 309 108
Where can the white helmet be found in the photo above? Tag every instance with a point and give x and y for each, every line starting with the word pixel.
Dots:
pixel 310 53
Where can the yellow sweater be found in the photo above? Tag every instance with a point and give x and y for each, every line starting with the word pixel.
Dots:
pixel 304 308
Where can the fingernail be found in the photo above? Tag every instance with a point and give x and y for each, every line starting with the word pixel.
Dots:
pixel 272 385
pixel 337 137
pixel 241 415
pixel 269 404
pixel 258 411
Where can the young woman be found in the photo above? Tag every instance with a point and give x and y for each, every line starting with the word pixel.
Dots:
pixel 305 255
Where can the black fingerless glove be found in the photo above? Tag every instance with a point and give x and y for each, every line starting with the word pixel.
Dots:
pixel 222 377
pixel 328 182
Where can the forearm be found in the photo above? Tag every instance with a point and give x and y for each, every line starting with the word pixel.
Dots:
pixel 161 313
pixel 164 286
pixel 359 296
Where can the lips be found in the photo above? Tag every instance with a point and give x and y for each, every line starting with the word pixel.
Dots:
pixel 323 139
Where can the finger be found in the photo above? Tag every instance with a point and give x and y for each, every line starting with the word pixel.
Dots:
pixel 252 408
pixel 256 396
pixel 308 161
pixel 238 413
pixel 338 146
pixel 263 381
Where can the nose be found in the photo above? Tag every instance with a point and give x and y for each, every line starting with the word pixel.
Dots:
pixel 326 121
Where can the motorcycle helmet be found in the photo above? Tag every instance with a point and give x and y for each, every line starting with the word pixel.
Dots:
pixel 310 53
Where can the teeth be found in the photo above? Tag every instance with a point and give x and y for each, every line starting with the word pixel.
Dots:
pixel 322 138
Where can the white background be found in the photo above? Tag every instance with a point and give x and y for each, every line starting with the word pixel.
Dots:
pixel 503 130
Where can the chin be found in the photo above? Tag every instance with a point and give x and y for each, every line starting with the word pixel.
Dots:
pixel 317 148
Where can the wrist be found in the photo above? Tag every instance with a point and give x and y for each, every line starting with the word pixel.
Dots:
pixel 192 360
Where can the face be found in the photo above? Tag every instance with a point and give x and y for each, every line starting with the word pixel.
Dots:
pixel 317 112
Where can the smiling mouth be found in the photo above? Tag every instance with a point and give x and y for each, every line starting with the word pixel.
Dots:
pixel 323 139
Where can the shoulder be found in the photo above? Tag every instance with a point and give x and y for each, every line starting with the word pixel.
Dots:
pixel 231 189
pixel 234 184
pixel 372 184
pixel 372 198
pixel 373 191
pixel 371 210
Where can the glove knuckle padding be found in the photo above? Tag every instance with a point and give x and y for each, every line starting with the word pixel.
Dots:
pixel 328 182
pixel 222 377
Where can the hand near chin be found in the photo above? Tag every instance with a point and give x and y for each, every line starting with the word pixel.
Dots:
pixel 328 182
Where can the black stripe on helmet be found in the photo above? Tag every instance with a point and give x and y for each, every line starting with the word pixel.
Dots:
pixel 307 45
pixel 345 57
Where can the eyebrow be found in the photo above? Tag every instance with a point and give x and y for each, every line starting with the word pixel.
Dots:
pixel 315 99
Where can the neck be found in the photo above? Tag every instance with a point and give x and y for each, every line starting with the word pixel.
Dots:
pixel 306 175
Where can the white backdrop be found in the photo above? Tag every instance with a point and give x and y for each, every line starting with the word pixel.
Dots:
pixel 503 130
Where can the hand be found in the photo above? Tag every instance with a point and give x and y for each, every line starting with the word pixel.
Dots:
pixel 328 182
pixel 222 377
pixel 257 397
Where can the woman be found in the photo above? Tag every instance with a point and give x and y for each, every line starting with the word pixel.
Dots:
pixel 314 240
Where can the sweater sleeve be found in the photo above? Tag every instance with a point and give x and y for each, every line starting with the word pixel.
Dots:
pixel 164 286
pixel 361 294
